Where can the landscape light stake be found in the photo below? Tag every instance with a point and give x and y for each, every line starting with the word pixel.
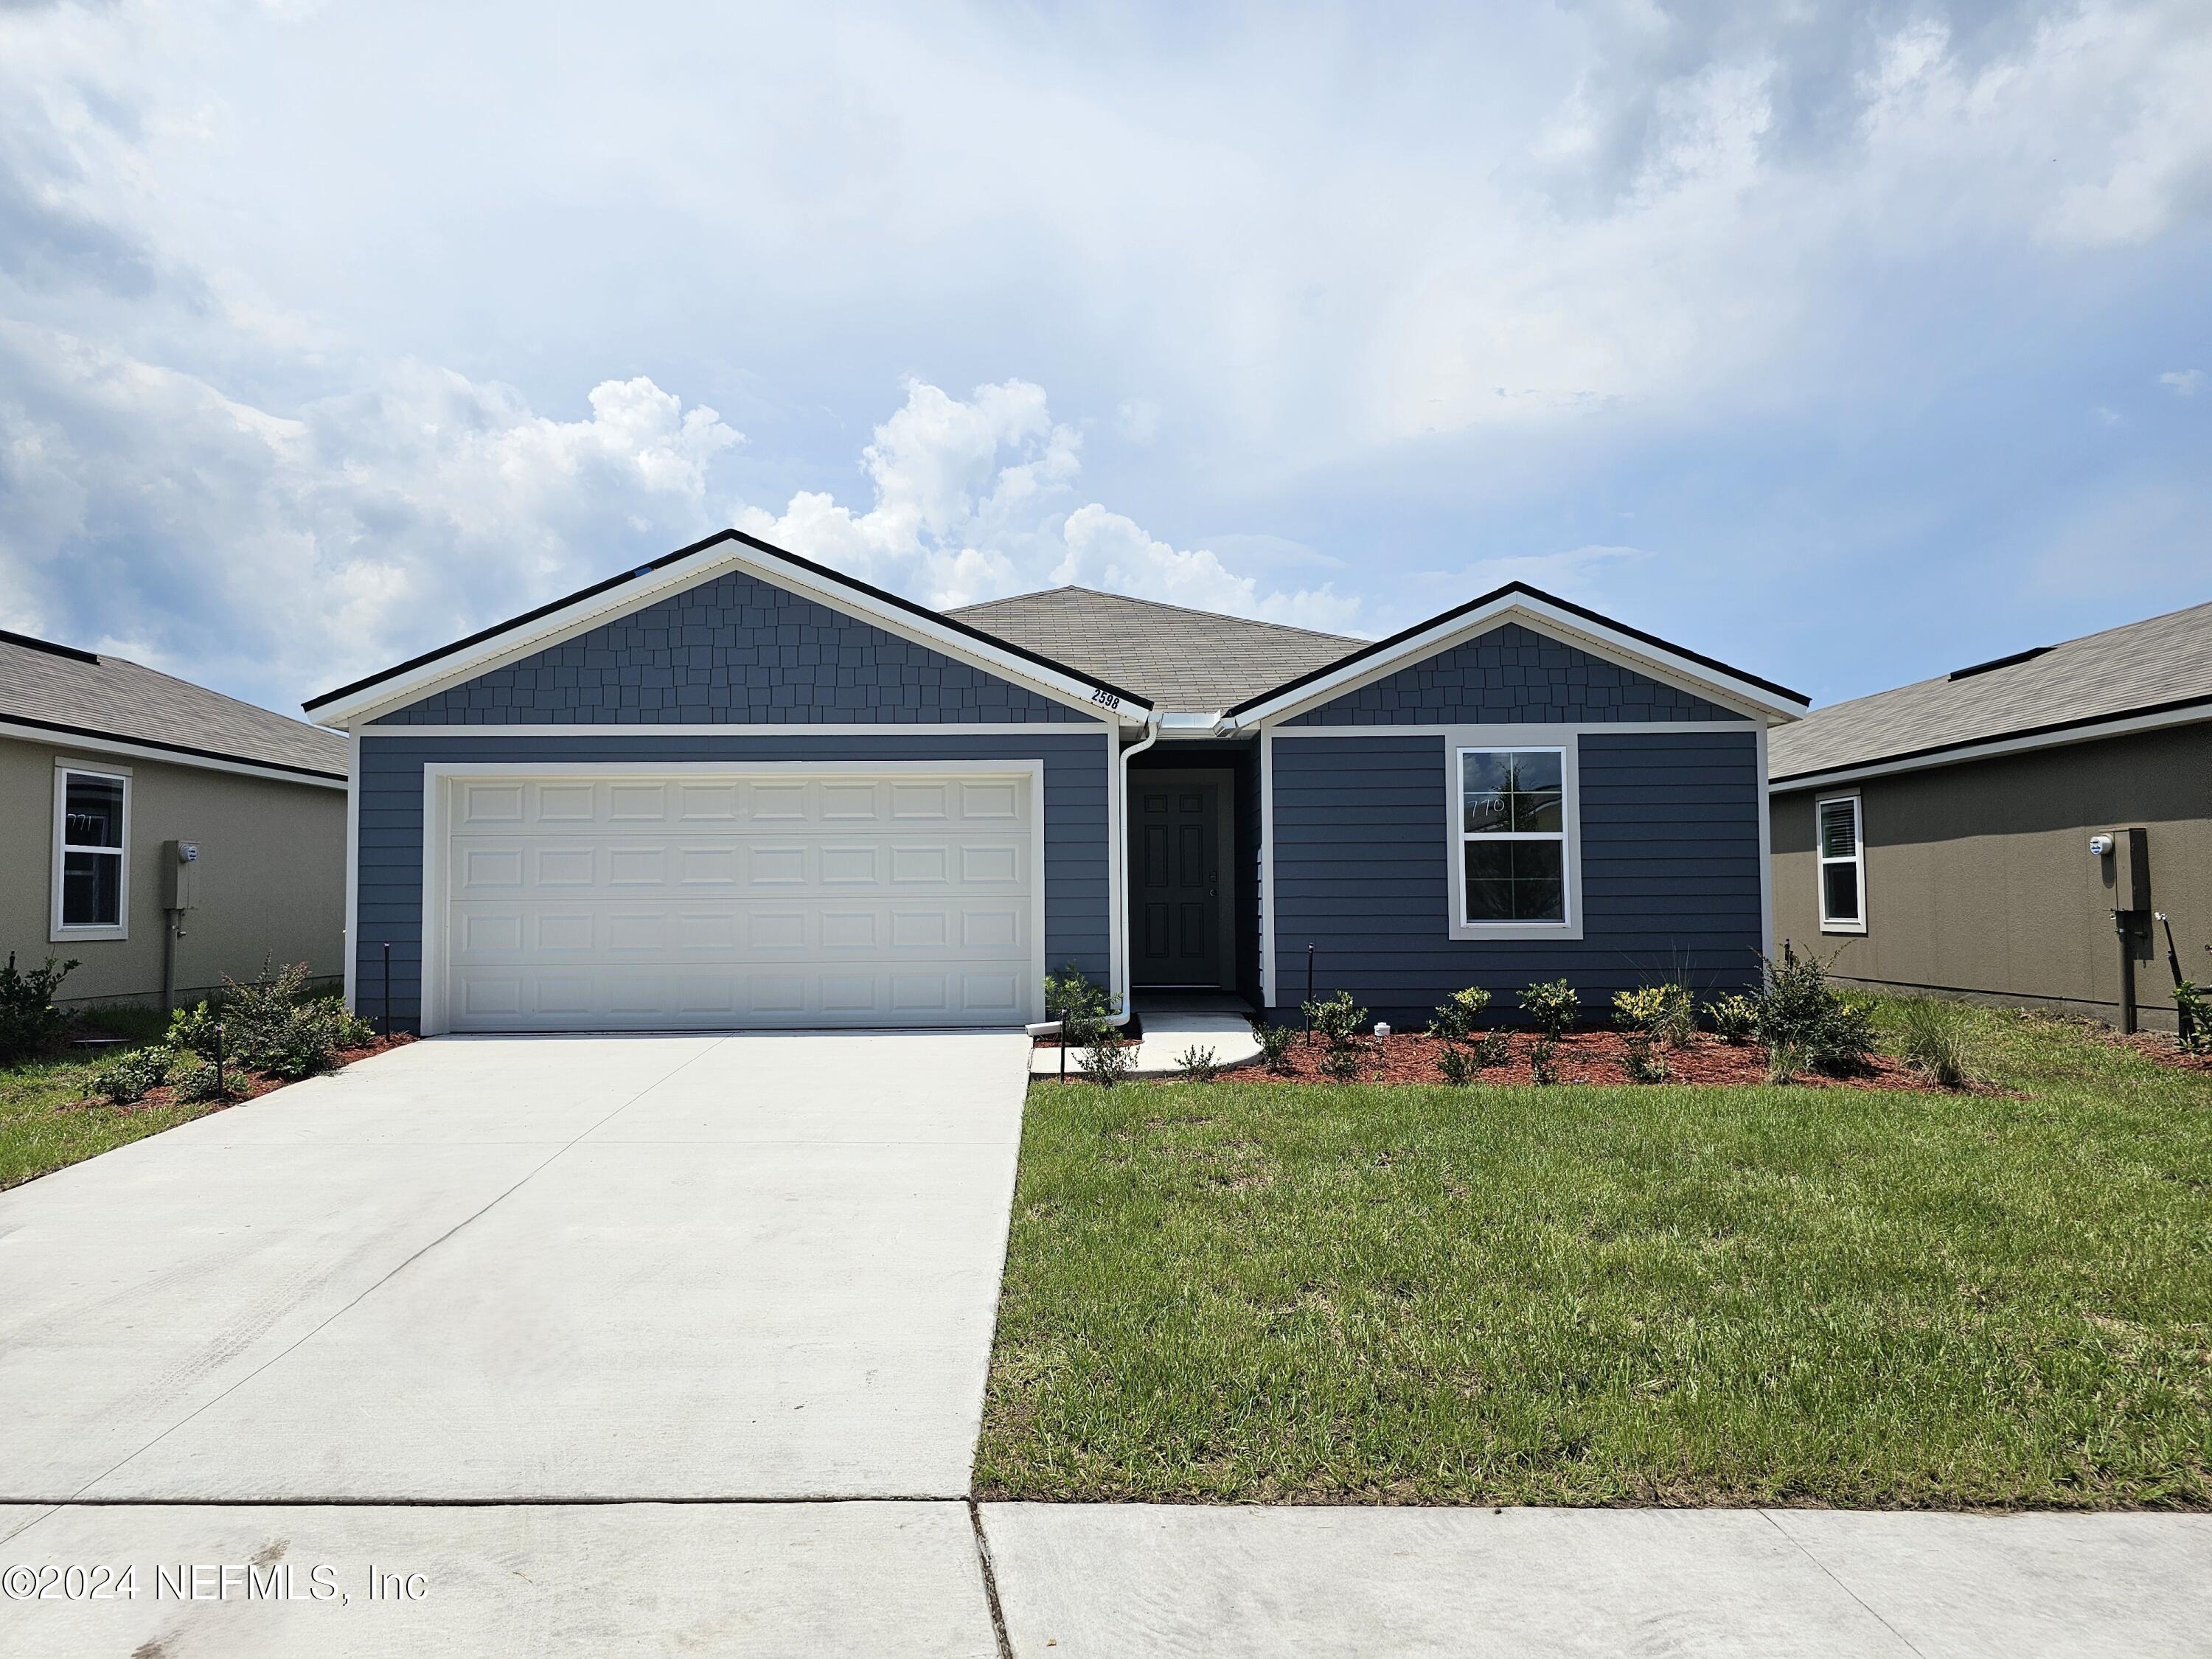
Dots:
pixel 219 1090
pixel 387 987
pixel 1310 965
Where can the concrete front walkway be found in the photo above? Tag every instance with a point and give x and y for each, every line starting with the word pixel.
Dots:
pixel 515 1268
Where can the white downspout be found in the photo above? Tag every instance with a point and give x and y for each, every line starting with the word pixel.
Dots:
pixel 1125 989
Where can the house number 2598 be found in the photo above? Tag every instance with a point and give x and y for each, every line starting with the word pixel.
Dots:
pixel 1105 699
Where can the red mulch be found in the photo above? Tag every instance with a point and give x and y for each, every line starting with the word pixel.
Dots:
pixel 1583 1057
pixel 239 1085
pixel 2168 1051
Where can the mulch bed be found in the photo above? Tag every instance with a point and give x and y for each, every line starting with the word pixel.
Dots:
pixel 241 1086
pixel 2156 1045
pixel 1583 1057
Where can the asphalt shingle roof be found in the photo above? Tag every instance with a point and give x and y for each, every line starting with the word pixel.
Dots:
pixel 1189 661
pixel 2143 666
pixel 110 698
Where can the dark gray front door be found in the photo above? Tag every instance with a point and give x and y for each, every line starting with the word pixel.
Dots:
pixel 1178 883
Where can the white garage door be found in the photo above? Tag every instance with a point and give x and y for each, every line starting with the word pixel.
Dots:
pixel 795 896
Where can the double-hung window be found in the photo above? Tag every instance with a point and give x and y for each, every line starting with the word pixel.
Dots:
pixel 1842 854
pixel 92 828
pixel 1514 866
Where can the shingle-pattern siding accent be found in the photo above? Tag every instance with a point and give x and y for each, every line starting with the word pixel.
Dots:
pixel 1511 676
pixel 735 651
pixel 1670 858
pixel 1076 923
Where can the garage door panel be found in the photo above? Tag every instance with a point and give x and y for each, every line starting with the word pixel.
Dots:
pixel 586 903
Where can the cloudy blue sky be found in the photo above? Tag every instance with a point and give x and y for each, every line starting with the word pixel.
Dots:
pixel 1848 344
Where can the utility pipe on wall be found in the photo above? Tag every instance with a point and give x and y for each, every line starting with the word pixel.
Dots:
pixel 1126 990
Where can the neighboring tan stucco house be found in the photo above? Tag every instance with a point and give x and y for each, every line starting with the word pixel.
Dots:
pixel 736 788
pixel 1939 836
pixel 107 769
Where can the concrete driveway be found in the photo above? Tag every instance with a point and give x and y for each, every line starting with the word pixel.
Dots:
pixel 528 1268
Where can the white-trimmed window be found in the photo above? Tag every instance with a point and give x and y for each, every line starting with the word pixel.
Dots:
pixel 1515 856
pixel 92 852
pixel 1841 850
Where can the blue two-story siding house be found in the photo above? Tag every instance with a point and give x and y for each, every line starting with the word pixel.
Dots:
pixel 735 789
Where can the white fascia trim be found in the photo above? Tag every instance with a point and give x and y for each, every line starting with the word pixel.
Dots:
pixel 1266 869
pixel 1992 748
pixel 703 566
pixel 1755 702
pixel 1765 862
pixel 1185 727
pixel 1562 728
pixel 76 742
pixel 784 729
pixel 432 1018
pixel 353 866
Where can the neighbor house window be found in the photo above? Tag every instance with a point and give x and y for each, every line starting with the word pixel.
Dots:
pixel 1514 819
pixel 1843 865
pixel 92 822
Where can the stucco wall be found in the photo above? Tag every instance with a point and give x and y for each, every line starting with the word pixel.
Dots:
pixel 1979 879
pixel 270 877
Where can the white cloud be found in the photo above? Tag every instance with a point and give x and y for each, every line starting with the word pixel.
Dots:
pixel 143 507
pixel 2183 382
pixel 971 501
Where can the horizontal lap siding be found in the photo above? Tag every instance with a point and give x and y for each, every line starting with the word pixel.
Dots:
pixel 1670 871
pixel 391 871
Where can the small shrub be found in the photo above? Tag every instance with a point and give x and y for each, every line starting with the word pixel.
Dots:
pixel 1845 1044
pixel 1735 1017
pixel 1199 1065
pixel 192 1030
pixel 2192 1007
pixel 1492 1048
pixel 1338 1020
pixel 1071 991
pixel 1645 1062
pixel 1800 1010
pixel 1544 1057
pixel 29 1022
pixel 1106 1059
pixel 128 1077
pixel 1937 1039
pixel 1457 1066
pixel 1456 1017
pixel 1640 1009
pixel 1085 1013
pixel 191 1078
pixel 1785 1062
pixel 1344 1062
pixel 1552 1006
pixel 1276 1041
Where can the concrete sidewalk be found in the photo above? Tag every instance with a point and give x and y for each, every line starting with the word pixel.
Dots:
pixel 1140 1582
pixel 1130 1581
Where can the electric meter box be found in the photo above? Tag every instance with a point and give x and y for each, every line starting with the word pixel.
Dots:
pixel 2131 870
pixel 179 864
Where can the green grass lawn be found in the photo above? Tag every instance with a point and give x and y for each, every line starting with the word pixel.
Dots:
pixel 43 1127
pixel 1660 1295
